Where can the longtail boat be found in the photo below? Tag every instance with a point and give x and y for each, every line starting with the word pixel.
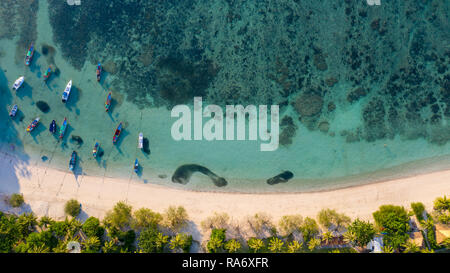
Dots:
pixel 63 128
pixel 13 111
pixel 141 141
pixel 65 95
pixel 99 71
pixel 52 127
pixel 108 102
pixel 47 74
pixel 117 133
pixel 30 54
pixel 95 150
pixel 33 125
pixel 73 160
pixel 136 166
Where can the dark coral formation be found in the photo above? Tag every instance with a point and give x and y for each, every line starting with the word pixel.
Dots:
pixel 43 106
pixel 166 52
pixel 281 178
pixel 288 130
pixel 183 174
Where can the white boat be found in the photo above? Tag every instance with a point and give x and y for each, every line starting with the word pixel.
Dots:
pixel 65 95
pixel 141 141
pixel 18 83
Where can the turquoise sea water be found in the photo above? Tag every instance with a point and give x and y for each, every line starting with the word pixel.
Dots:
pixel 363 91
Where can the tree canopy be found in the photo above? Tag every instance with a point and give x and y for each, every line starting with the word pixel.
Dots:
pixel 393 222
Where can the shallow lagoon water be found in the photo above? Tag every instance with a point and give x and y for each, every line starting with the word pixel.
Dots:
pixel 318 160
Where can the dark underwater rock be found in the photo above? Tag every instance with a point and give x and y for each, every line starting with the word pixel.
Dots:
pixel 44 158
pixel 281 178
pixel 146 145
pixel 308 104
pixel 77 139
pixel 183 174
pixel 356 94
pixel 43 106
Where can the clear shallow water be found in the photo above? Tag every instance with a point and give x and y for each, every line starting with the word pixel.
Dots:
pixel 318 160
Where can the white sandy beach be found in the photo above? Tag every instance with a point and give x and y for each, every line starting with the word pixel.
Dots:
pixel 47 190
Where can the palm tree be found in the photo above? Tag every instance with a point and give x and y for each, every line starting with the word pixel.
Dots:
pixel 327 236
pixel 275 245
pixel 336 250
pixel 293 246
pixel 39 249
pixel 45 221
pixel 92 244
pixel 255 244
pixel 426 250
pixel 109 247
pixel 349 237
pixel 441 203
pixel 313 244
pixel 232 246
pixel 388 249
pixel 411 247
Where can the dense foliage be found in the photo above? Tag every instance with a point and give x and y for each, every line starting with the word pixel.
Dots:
pixel 16 200
pixel 393 222
pixel 363 232
pixel 72 208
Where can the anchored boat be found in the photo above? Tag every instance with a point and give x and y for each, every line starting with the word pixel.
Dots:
pixel 33 125
pixel 47 74
pixel 13 111
pixel 108 102
pixel 52 127
pixel 117 133
pixel 141 141
pixel 18 83
pixel 136 166
pixel 65 95
pixel 30 54
pixel 99 71
pixel 63 128
pixel 73 161
pixel 96 146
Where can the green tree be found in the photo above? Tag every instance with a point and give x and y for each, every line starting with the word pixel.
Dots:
pixel 92 228
pixel 410 247
pixel 16 200
pixel 289 224
pixel 175 218
pixel 394 223
pixel 428 225
pixel 441 204
pixel 275 245
pixel 92 245
pixel 216 240
pixel 218 220
pixel 146 218
pixel 232 246
pixel 26 224
pixel 349 237
pixel 119 217
pixel 181 241
pixel 152 241
pixel 327 237
pixel 41 241
pixel 10 232
pixel 313 244
pixel 309 229
pixel 418 209
pixel 293 246
pixel 388 249
pixel 255 244
pixel 363 232
pixel 110 246
pixel 45 221
pixel 72 208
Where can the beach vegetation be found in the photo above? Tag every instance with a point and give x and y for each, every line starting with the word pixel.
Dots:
pixel 216 240
pixel 72 208
pixel 261 224
pixel 428 226
pixel 314 243
pixel 111 246
pixel 275 245
pixel 91 245
pixel 45 221
pixel 363 232
pixel 393 223
pixel 293 246
pixel 232 246
pixel 256 245
pixel 146 218
pixel 410 247
pixel 332 220
pixel 327 237
pixel 309 229
pixel 418 209
pixel 150 240
pixel 175 218
pixel 181 242
pixel 441 207
pixel 216 221
pixel 119 217
pixel 92 228
pixel 289 224
pixel 16 200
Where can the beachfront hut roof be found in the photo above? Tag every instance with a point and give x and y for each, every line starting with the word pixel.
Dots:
pixel 442 232
pixel 376 245
pixel 417 238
